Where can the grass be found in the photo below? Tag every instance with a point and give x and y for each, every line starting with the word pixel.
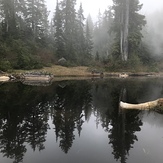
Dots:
pixel 67 71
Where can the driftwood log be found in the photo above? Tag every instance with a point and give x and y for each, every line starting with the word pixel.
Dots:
pixel 4 78
pixel 142 106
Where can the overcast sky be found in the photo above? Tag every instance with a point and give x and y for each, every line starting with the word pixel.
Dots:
pixel 93 6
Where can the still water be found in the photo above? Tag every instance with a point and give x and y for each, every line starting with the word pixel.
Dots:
pixel 80 122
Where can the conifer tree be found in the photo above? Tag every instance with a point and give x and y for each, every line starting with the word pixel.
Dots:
pixel 59 36
pixel 89 43
pixel 80 43
pixel 37 18
pixel 127 25
pixel 69 27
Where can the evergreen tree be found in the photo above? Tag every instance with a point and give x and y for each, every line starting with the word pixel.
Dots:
pixel 69 27
pixel 80 35
pixel 99 19
pixel 91 24
pixel 59 36
pixel 24 31
pixel 89 43
pixel 101 37
pixel 37 18
pixel 8 17
pixel 127 25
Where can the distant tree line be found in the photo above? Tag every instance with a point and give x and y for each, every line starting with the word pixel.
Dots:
pixel 28 40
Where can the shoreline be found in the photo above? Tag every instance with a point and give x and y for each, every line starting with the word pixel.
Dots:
pixel 56 71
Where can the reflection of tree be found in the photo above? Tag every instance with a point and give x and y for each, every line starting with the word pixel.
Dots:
pixel 121 125
pixel 12 138
pixel 122 134
pixel 124 125
pixel 67 116
pixel 24 109
pixel 36 127
pixel 23 115
pixel 12 135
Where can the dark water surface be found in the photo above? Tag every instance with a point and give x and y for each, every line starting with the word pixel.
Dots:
pixel 80 122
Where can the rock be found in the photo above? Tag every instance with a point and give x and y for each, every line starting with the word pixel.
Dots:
pixel 62 61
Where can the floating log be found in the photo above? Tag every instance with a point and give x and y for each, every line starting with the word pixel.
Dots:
pixel 142 106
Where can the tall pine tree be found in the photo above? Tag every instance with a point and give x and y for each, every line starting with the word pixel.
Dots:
pixel 69 27
pixel 80 43
pixel 89 42
pixel 127 25
pixel 59 36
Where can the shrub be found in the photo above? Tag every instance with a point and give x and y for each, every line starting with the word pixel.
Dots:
pixel 5 65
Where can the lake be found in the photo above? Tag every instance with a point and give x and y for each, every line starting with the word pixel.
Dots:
pixel 79 121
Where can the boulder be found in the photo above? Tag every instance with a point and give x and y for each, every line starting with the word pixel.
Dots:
pixel 62 61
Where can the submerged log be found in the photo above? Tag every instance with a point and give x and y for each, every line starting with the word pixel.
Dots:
pixel 142 106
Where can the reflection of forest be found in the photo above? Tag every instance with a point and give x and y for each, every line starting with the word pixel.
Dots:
pixel 25 110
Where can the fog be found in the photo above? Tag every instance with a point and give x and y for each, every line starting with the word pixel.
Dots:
pixel 150 6
pixel 152 9
pixel 92 7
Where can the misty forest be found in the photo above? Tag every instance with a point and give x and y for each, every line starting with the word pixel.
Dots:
pixel 120 37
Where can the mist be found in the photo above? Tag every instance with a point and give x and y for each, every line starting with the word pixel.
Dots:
pixel 153 35
pixel 152 32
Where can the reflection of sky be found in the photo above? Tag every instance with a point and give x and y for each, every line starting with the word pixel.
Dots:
pixel 91 147
pixel 153 119
pixel 149 6
pixel 149 147
pixel 93 144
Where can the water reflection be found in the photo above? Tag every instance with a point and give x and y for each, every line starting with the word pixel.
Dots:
pixel 69 103
pixel 25 111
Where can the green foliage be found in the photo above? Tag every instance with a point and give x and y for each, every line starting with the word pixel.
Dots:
pixel 97 57
pixel 101 38
pixel 24 33
pixel 5 65
pixel 115 50
pixel 27 42
pixel 73 40
pixel 134 62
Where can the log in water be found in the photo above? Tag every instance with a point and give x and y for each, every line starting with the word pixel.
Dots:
pixel 142 106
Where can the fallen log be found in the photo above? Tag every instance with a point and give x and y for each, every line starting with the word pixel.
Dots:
pixel 37 78
pixel 4 78
pixel 142 106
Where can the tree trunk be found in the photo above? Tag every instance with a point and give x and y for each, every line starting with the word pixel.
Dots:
pixel 33 20
pixel 124 23
pixel 126 31
pixel 122 33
